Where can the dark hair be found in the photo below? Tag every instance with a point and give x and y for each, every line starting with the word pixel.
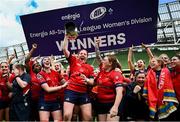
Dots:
pixel 142 61
pixel 81 50
pixel 139 72
pixel 35 64
pixel 20 66
pixel 114 61
pixel 119 64
pixel 10 67
pixel 177 55
pixel 4 62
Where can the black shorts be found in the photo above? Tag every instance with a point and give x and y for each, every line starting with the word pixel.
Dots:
pixel 19 111
pixel 76 97
pixel 49 106
pixel 104 108
pixel 4 104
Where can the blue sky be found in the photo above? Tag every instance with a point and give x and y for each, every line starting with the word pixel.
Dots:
pixel 11 31
pixel 165 1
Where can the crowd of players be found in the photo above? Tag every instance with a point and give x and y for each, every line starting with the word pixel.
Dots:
pixel 43 90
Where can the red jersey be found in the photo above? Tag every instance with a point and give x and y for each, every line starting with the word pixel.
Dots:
pixel 4 91
pixel 76 83
pixel 52 79
pixel 11 77
pixel 107 83
pixel 175 75
pixel 3 88
pixel 35 86
pixel 61 91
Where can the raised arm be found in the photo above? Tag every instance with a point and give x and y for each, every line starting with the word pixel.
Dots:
pixel 150 55
pixel 98 55
pixel 65 47
pixel 130 63
pixel 52 58
pixel 10 59
pixel 34 47
pixel 35 59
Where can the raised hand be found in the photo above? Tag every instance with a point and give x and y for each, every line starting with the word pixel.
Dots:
pixel 71 37
pixel 5 75
pixel 12 56
pixel 136 89
pixel 97 41
pixel 34 46
pixel 52 57
pixel 83 76
pixel 131 48
pixel 143 45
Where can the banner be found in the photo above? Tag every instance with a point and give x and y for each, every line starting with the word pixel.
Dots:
pixel 118 24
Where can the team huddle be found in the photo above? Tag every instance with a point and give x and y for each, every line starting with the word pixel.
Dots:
pixel 42 90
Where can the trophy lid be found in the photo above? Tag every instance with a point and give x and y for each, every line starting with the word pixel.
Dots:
pixel 70 27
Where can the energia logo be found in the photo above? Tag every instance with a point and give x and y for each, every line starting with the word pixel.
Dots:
pixel 98 13
pixel 71 16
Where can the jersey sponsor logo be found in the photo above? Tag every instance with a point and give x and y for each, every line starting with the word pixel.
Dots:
pixel 67 99
pixel 117 77
pixel 42 107
pixel 39 76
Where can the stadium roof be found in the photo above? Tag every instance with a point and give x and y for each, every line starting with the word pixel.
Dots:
pixel 169 23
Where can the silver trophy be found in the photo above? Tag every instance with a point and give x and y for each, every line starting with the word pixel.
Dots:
pixel 71 30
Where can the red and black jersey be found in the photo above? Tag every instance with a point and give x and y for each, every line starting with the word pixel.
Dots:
pixel 35 86
pixel 76 83
pixel 11 77
pixel 3 88
pixel 61 91
pixel 52 79
pixel 107 83
pixel 4 91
